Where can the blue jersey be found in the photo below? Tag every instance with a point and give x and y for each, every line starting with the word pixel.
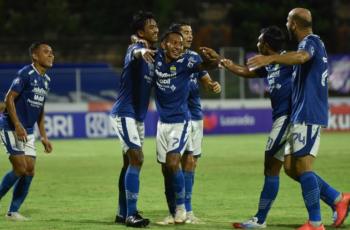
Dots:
pixel 135 87
pixel 310 86
pixel 279 78
pixel 172 85
pixel 194 100
pixel 32 89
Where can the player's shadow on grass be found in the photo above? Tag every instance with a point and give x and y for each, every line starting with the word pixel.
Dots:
pixel 84 221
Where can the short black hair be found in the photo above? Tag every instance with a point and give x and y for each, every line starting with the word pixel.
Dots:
pixel 273 36
pixel 139 20
pixel 167 33
pixel 34 46
pixel 177 26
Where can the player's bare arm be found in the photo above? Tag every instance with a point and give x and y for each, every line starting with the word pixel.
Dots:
pixel 44 139
pixel 11 109
pixel 210 85
pixel 146 54
pixel 289 58
pixel 240 70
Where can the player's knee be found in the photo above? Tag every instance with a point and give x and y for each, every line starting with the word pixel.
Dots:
pixel 135 157
pixel 188 162
pixel 172 162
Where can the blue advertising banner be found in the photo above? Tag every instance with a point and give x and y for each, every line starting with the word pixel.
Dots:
pixel 98 124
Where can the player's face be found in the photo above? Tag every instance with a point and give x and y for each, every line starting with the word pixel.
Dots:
pixel 173 46
pixel 261 45
pixel 150 31
pixel 290 27
pixel 186 32
pixel 44 56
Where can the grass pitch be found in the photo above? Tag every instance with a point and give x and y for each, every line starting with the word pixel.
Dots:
pixel 75 187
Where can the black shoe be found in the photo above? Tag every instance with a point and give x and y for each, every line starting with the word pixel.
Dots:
pixel 136 221
pixel 119 220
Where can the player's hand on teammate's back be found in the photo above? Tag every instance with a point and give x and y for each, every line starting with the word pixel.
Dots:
pixel 21 133
pixel 134 39
pixel 148 54
pixel 215 87
pixel 258 61
pixel 47 145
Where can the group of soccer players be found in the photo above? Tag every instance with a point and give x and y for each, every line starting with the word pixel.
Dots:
pixel 174 72
pixel 298 89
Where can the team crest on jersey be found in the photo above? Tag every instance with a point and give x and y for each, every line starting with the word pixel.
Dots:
pixel 173 69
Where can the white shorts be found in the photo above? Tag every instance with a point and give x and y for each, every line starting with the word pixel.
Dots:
pixel 277 144
pixel 196 138
pixel 131 133
pixel 304 139
pixel 172 138
pixel 14 146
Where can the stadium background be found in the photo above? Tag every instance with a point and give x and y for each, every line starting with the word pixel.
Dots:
pixel 89 40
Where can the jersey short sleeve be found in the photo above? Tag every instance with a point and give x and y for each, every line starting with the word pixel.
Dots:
pixel 307 45
pixel 18 83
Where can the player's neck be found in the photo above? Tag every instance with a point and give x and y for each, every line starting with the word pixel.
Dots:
pixel 40 69
pixel 303 33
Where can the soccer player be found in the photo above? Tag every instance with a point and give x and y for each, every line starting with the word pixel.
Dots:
pixel 309 114
pixel 128 114
pixel 189 158
pixel 24 107
pixel 173 69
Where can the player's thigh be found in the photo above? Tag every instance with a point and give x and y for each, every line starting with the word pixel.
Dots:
pixel 277 140
pixel 197 137
pixel 30 165
pixel 12 144
pixel 178 136
pixel 128 133
pixel 304 139
pixel 161 141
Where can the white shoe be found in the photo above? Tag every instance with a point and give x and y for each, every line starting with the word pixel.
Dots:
pixel 192 219
pixel 167 220
pixel 251 223
pixel 180 214
pixel 15 216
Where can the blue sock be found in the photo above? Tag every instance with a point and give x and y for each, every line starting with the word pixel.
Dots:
pixel 169 192
pixel 20 192
pixel 179 187
pixel 311 195
pixel 327 193
pixel 7 182
pixel 267 197
pixel 132 184
pixel 122 199
pixel 188 176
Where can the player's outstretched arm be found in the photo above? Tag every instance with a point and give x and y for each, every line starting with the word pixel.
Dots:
pixel 44 140
pixel 134 39
pixel 146 54
pixel 289 58
pixel 11 109
pixel 211 59
pixel 209 84
pixel 239 70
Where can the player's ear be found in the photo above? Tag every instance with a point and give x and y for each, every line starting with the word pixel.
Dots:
pixel 140 33
pixel 34 56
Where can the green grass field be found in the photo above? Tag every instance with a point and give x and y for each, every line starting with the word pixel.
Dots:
pixel 75 186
